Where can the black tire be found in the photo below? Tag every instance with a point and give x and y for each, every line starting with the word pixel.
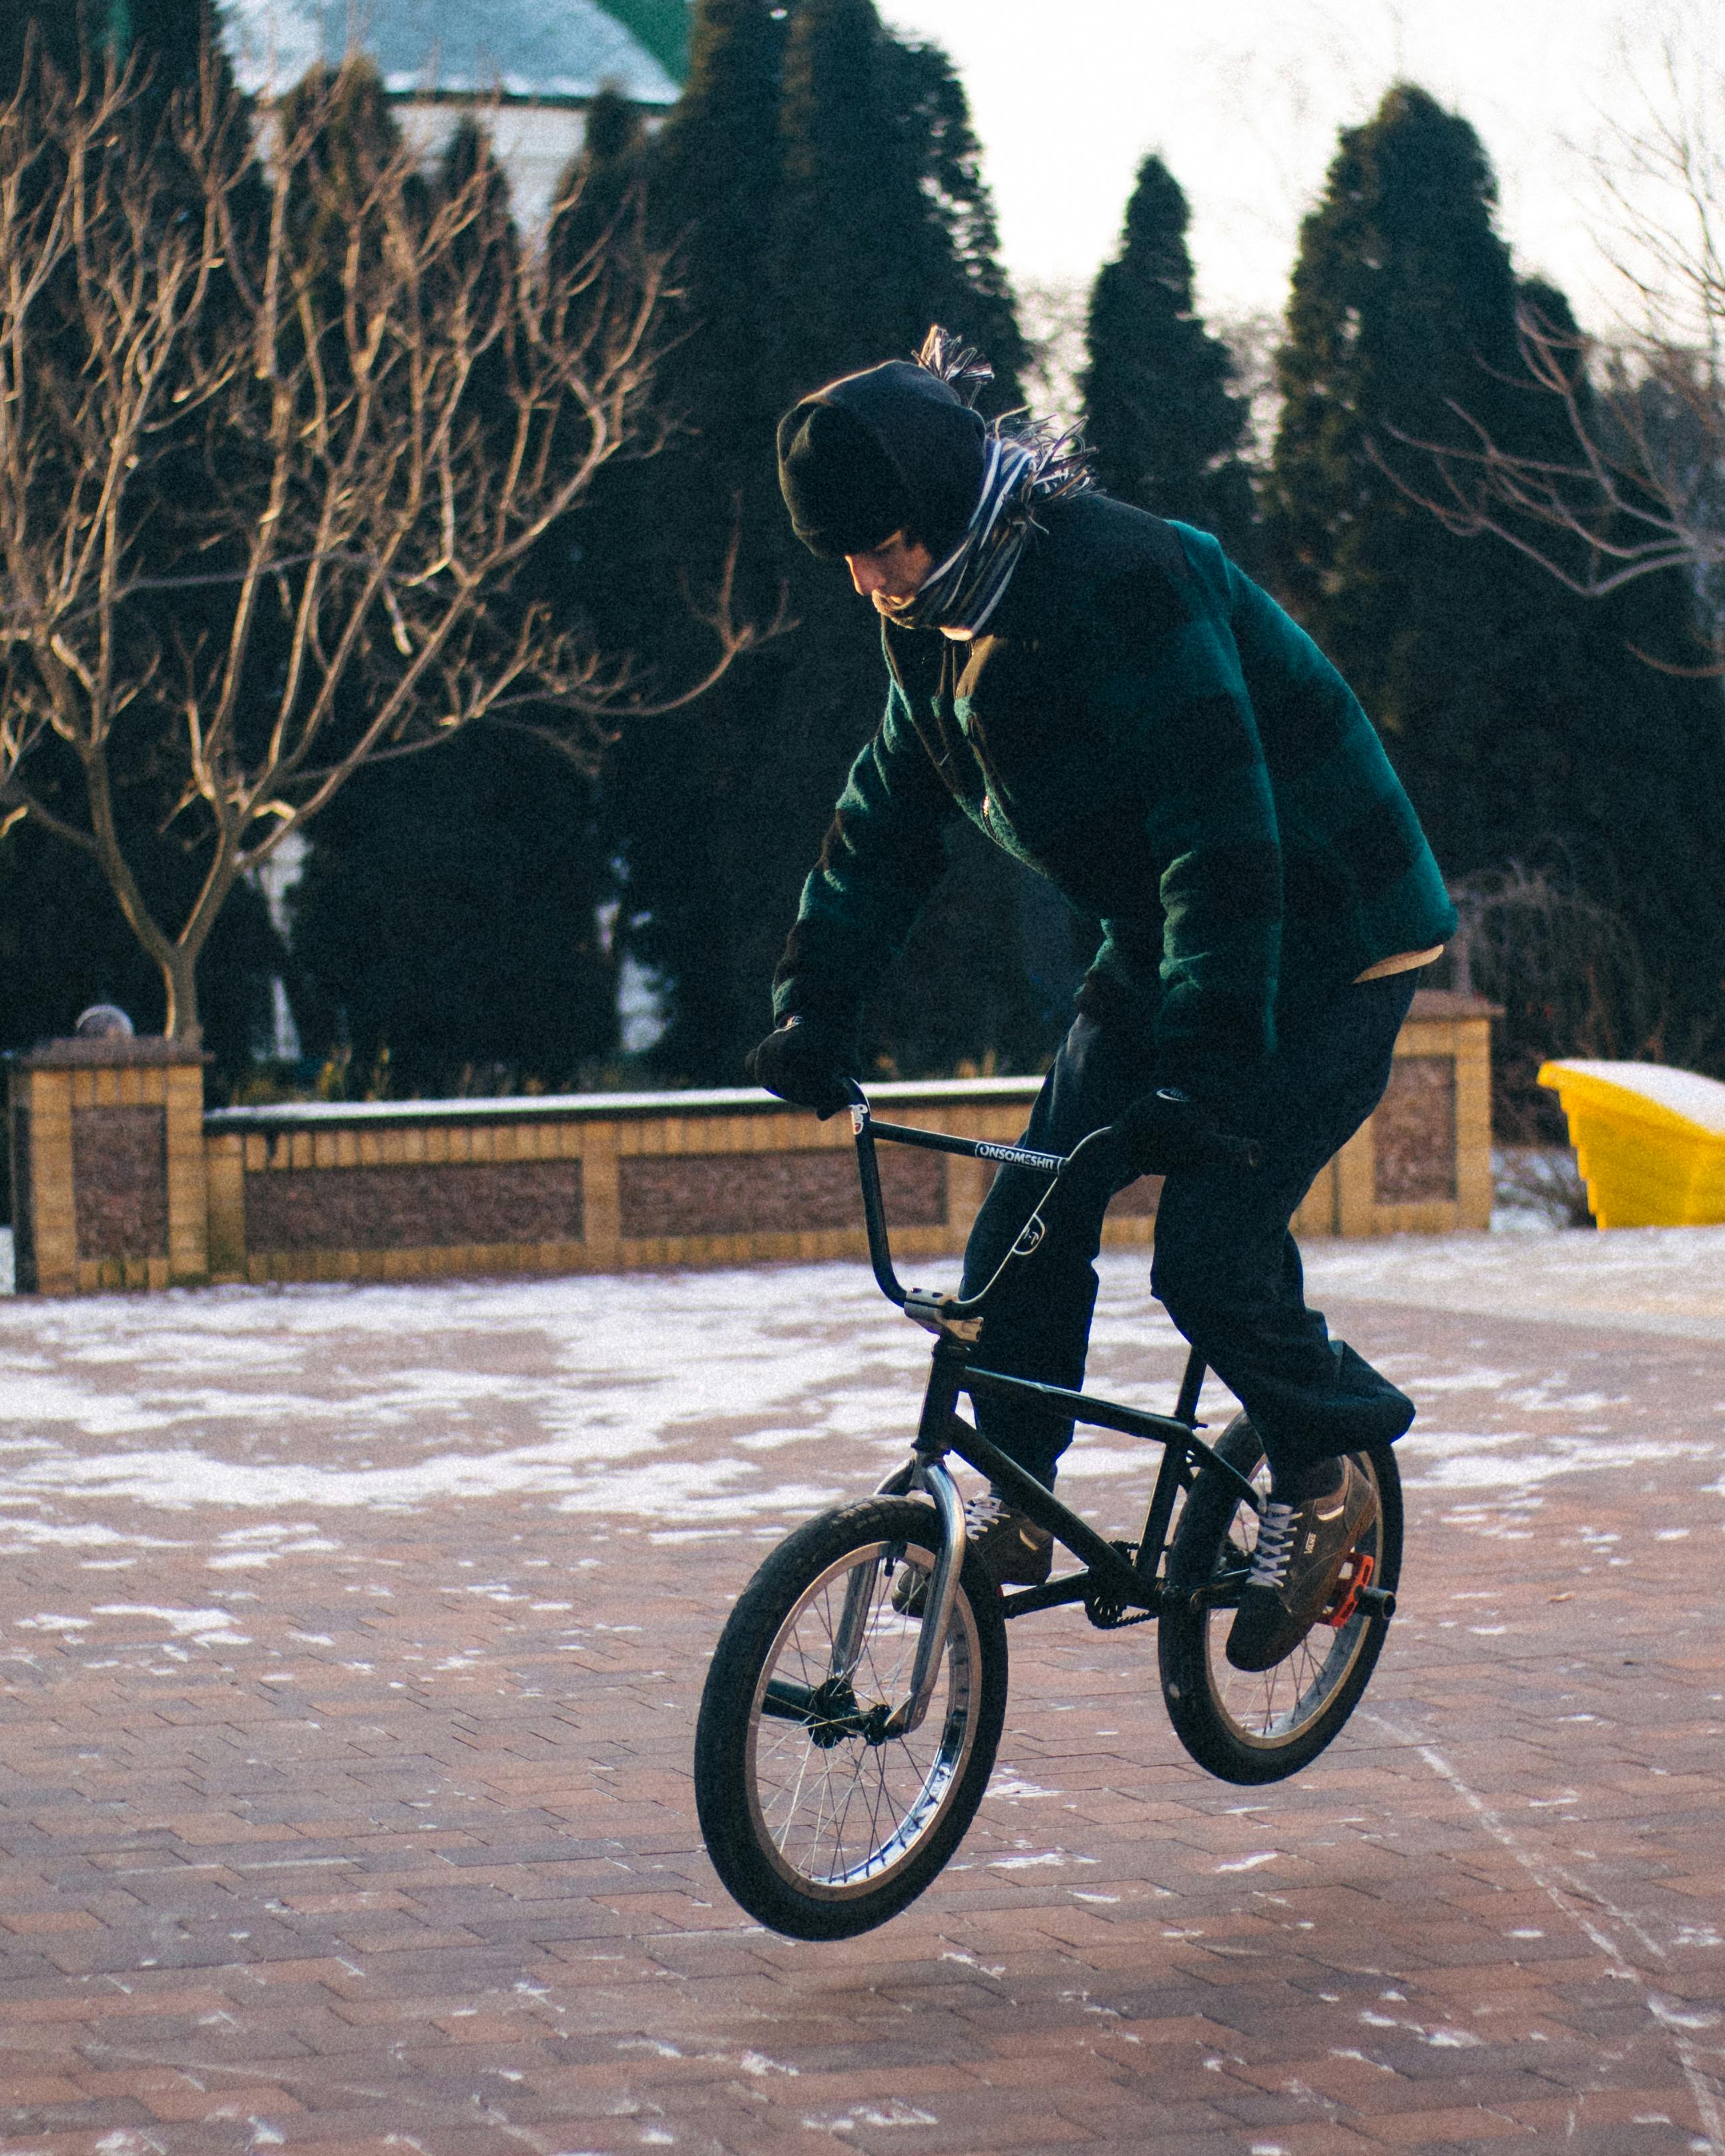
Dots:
pixel 1261 1727
pixel 894 1810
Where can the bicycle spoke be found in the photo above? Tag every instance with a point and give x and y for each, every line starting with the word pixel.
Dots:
pixel 1271 1705
pixel 850 1809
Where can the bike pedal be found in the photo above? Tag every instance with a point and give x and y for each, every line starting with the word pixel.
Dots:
pixel 1355 1578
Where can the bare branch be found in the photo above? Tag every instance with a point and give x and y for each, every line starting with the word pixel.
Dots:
pixel 1640 490
pixel 280 426
pixel 1643 493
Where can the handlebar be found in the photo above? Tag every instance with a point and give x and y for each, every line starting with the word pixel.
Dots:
pixel 1226 1149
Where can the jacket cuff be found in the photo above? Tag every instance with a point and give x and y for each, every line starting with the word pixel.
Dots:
pixel 808 996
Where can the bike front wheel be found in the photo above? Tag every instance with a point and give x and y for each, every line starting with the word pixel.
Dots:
pixel 1261 1726
pixel 818 1823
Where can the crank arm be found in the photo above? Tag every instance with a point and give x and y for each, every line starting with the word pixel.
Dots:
pixel 1216 1594
pixel 1224 1595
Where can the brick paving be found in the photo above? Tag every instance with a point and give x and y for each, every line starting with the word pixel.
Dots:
pixel 339 1827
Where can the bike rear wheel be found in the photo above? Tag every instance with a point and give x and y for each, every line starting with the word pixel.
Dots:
pixel 1265 1725
pixel 817 1823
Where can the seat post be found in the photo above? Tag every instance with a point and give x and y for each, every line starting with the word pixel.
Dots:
pixel 1191 1385
pixel 1175 1472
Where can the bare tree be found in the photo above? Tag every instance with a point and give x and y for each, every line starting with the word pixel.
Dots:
pixel 1642 489
pixel 279 431
pixel 1567 975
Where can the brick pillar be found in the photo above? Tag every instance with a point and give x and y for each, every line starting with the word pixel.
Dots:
pixel 107 1165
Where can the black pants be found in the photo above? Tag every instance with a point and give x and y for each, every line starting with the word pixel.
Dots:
pixel 1226 1267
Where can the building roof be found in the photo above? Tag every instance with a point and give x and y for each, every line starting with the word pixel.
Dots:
pixel 543 51
pixel 662 26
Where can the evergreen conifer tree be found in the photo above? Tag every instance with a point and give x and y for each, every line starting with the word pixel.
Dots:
pixel 883 220
pixel 959 228
pixel 173 34
pixel 448 914
pixel 1518 715
pixel 169 38
pixel 51 30
pixel 1162 420
pixel 849 153
pixel 712 178
pixel 648 552
pixel 606 171
pixel 884 226
pixel 883 223
pixel 851 245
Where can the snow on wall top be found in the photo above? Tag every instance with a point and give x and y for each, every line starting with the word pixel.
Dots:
pixel 1685 1093
pixel 529 48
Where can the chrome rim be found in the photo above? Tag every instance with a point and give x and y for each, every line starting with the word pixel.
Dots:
pixel 835 1819
pixel 1267 1708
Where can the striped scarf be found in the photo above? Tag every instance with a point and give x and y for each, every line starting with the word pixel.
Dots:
pixel 1025 465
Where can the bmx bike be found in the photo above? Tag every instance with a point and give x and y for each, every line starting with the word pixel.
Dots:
pixel 847 1733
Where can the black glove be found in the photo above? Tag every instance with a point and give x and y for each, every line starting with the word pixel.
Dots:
pixel 806 1061
pixel 1168 1130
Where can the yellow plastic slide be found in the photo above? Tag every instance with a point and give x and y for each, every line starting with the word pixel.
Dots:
pixel 1650 1140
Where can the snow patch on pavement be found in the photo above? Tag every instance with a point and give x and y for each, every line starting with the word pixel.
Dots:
pixel 1641 1280
pixel 694 1399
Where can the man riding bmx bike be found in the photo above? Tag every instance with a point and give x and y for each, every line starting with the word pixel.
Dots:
pixel 1111 700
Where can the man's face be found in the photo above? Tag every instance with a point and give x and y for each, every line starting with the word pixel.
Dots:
pixel 894 570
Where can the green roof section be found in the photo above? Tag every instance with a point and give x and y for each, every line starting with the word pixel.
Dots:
pixel 556 51
pixel 662 26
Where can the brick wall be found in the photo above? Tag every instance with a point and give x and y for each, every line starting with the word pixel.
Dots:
pixel 107 1165
pixel 120 1182
pixel 109 1196
pixel 1414 1152
pixel 769 1193
pixel 578 1183
pixel 407 1207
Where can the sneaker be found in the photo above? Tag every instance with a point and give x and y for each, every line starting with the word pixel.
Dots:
pixel 1014 1551
pixel 1300 1551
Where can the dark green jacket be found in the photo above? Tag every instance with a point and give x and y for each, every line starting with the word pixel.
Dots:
pixel 1146 728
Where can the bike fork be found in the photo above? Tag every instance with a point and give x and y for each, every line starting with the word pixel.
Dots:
pixel 926 1470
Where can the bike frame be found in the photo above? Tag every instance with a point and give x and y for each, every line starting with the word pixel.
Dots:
pixel 1115 1577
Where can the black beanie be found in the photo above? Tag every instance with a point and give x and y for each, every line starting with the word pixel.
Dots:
pixel 844 496
pixel 892 449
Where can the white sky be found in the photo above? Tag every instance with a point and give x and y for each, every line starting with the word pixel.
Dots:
pixel 1243 98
